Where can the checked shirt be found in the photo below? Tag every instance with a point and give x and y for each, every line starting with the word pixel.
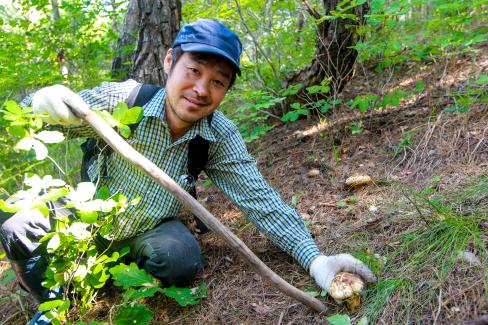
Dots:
pixel 229 166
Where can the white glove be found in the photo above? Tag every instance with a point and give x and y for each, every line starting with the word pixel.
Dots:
pixel 55 100
pixel 324 268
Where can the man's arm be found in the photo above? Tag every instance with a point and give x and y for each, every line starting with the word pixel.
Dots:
pixel 56 100
pixel 233 170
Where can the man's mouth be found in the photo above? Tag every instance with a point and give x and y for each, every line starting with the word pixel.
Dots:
pixel 195 102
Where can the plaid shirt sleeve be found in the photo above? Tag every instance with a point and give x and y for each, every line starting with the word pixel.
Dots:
pixel 103 97
pixel 234 171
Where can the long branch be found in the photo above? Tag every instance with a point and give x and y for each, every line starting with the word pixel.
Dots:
pixel 135 158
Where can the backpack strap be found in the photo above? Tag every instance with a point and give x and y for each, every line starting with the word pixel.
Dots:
pixel 197 159
pixel 92 147
pixel 141 95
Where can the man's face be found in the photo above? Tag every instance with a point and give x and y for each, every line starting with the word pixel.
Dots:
pixel 194 88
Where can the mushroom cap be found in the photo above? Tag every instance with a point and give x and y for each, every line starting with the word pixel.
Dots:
pixel 344 285
pixel 358 180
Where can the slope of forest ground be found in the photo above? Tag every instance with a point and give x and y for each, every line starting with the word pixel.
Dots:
pixel 416 147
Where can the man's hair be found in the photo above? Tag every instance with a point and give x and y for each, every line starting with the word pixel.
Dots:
pixel 177 52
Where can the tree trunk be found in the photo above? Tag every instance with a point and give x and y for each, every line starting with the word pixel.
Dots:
pixel 148 32
pixel 334 56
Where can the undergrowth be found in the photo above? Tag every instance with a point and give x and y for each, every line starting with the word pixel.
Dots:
pixel 443 230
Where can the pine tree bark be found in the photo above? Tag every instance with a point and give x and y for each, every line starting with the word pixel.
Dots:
pixel 334 57
pixel 147 33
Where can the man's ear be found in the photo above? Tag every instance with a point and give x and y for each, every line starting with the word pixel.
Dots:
pixel 167 61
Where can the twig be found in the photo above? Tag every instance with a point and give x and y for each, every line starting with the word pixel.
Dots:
pixel 281 316
pixel 439 301
pixel 256 43
pixel 56 165
pixel 24 311
pixel 416 208
pixel 311 10
pixel 477 146
pixel 6 321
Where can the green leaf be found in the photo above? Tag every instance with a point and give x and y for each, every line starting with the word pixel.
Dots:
pixel 325 107
pixel 482 79
pixel 64 306
pixel 29 143
pixel 6 207
pixel 124 130
pixel 88 217
pixel 54 194
pixel 137 314
pixel 132 116
pixel 50 305
pixel 50 136
pixel 53 243
pixel 339 319
pixel 185 296
pixel 102 193
pixel 313 89
pixel 341 204
pixel 17 131
pixel 119 111
pixel 419 86
pixel 134 294
pixel 13 107
pixel 130 275
pixel 8 276
pixel 292 116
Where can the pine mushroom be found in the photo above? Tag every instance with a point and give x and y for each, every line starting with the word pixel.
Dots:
pixel 346 287
pixel 358 180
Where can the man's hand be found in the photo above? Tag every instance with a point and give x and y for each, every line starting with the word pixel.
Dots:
pixel 324 268
pixel 56 101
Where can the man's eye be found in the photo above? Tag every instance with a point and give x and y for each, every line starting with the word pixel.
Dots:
pixel 193 70
pixel 219 83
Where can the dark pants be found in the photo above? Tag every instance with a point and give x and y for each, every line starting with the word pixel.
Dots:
pixel 169 251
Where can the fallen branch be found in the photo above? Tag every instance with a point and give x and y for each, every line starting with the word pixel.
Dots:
pixel 119 145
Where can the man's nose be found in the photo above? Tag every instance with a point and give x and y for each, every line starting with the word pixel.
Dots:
pixel 202 88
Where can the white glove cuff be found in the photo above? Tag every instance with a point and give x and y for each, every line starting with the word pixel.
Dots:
pixel 322 271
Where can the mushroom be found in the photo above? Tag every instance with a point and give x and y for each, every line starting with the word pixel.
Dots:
pixel 358 180
pixel 346 287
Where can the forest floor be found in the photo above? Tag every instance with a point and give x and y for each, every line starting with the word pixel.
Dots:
pixel 428 250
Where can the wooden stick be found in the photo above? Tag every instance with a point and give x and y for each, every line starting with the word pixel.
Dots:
pixel 114 140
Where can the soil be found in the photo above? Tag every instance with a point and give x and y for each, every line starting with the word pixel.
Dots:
pixel 444 150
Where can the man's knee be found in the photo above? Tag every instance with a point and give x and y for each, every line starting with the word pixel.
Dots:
pixel 21 232
pixel 175 262
pixel 172 254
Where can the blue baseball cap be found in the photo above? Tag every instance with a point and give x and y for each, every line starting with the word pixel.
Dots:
pixel 210 36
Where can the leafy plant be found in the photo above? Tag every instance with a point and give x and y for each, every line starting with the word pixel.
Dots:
pixel 77 269
pixel 122 117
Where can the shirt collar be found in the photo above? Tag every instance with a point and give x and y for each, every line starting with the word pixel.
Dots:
pixel 155 108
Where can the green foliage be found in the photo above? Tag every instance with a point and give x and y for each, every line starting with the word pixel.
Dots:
pixel 139 285
pixel 122 117
pixel 420 30
pixel 38 49
pixel 76 265
pixel 339 319
pixel 250 114
pixel 294 114
pixel 135 314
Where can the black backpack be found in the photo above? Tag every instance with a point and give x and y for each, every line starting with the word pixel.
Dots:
pixel 197 147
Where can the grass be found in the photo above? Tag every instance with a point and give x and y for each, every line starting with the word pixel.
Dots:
pixel 417 272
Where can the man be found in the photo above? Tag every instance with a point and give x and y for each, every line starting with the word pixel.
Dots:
pixel 201 67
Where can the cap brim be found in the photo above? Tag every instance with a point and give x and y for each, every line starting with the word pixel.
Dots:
pixel 205 48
